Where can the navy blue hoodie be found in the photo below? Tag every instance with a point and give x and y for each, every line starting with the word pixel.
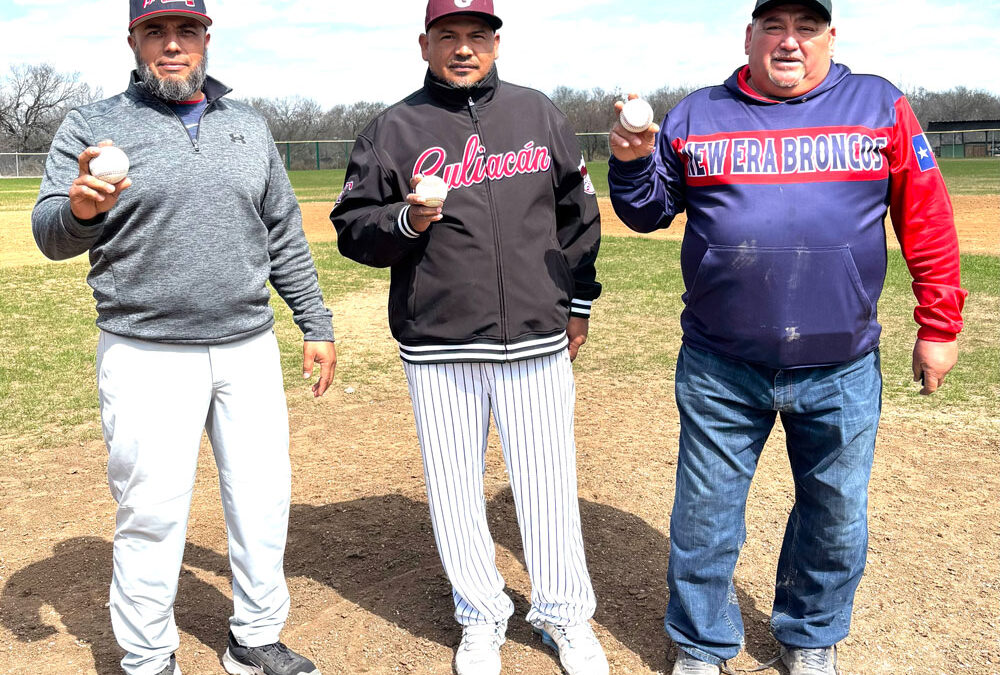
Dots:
pixel 784 254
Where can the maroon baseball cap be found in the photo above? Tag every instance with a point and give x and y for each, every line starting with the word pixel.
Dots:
pixel 438 9
pixel 140 10
pixel 824 7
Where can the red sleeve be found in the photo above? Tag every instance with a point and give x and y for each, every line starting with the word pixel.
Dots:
pixel 925 227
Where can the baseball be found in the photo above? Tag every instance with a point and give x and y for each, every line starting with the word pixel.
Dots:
pixel 636 116
pixel 111 165
pixel 433 190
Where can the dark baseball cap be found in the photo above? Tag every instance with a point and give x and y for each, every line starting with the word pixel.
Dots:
pixel 438 9
pixel 140 10
pixel 824 7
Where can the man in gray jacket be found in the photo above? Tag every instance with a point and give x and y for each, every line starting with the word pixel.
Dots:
pixel 181 251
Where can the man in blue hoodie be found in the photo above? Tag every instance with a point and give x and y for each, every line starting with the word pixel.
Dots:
pixel 786 173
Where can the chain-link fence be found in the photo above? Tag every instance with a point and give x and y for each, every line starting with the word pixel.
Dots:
pixel 334 154
pixel 961 144
pixel 21 164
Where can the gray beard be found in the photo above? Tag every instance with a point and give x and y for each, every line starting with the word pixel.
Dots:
pixel 171 89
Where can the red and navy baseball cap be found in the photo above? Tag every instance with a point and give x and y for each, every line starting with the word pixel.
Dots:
pixel 141 10
pixel 824 7
pixel 438 9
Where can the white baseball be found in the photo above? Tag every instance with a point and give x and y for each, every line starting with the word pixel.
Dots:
pixel 111 165
pixel 636 116
pixel 433 190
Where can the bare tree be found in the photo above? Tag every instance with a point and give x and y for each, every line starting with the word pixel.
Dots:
pixel 33 101
pixel 955 105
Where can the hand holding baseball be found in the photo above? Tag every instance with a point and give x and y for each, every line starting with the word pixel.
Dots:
pixel 90 196
pixel 629 145
pixel 421 214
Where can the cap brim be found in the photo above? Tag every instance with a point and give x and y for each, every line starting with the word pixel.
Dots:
pixel 172 12
pixel 774 3
pixel 494 22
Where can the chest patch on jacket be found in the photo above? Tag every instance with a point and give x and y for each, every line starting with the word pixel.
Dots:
pixel 476 166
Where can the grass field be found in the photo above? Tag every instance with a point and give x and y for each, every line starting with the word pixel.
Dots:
pixel 48 316
pixel 47 363
pixel 964 177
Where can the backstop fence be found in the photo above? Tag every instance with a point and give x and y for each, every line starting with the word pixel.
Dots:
pixel 334 154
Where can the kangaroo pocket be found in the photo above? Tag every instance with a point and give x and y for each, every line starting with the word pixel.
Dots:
pixel 781 307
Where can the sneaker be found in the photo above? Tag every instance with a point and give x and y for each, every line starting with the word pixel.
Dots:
pixel 479 651
pixel 689 665
pixel 579 651
pixel 272 659
pixel 171 667
pixel 810 661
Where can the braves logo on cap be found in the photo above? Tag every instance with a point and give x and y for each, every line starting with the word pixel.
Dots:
pixel 147 3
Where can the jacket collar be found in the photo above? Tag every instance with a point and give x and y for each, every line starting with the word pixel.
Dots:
pixel 739 84
pixel 214 90
pixel 482 92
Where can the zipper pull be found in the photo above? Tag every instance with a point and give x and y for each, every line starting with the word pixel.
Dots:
pixel 472 111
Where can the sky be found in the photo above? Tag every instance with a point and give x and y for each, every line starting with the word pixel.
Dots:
pixel 340 52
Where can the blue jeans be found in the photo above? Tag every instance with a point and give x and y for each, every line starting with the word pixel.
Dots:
pixel 727 410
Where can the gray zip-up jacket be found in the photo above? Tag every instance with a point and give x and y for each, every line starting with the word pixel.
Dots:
pixel 186 253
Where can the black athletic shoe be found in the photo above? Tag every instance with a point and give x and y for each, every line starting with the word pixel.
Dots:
pixel 171 668
pixel 272 659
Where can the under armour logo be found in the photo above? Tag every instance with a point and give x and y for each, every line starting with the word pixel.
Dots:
pixel 237 138
pixel 463 3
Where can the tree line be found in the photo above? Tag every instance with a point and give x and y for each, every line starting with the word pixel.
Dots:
pixel 34 98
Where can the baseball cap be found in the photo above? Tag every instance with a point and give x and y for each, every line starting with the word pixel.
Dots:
pixel 824 7
pixel 140 10
pixel 438 9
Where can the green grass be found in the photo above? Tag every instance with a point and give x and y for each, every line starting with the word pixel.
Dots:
pixel 317 186
pixel 963 176
pixel 18 194
pixel 972 176
pixel 47 386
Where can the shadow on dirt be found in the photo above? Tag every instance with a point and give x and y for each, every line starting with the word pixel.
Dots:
pixel 377 552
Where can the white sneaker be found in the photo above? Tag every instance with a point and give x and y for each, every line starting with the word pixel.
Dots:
pixel 479 651
pixel 579 651
pixel 689 665
pixel 810 661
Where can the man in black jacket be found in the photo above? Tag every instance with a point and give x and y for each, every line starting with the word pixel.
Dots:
pixel 490 301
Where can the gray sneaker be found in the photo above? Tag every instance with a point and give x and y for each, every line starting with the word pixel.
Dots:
pixel 272 659
pixel 810 661
pixel 689 665
pixel 171 667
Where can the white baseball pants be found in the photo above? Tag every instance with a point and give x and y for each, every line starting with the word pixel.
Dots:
pixel 155 401
pixel 532 403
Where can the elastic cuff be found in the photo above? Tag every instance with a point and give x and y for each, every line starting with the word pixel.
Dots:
pixel 934 335
pixel 580 308
pixel 403 224
pixel 84 229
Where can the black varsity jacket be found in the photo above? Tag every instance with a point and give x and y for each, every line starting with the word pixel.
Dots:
pixel 513 257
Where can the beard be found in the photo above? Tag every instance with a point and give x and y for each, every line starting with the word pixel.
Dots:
pixel 172 89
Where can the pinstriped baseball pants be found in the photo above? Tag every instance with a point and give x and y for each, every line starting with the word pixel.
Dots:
pixel 532 403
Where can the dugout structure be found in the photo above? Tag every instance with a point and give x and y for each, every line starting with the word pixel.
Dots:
pixel 971 138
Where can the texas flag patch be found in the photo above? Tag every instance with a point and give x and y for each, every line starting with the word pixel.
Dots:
pixel 925 156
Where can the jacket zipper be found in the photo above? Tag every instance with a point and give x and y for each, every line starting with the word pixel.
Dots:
pixel 197 134
pixel 496 226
